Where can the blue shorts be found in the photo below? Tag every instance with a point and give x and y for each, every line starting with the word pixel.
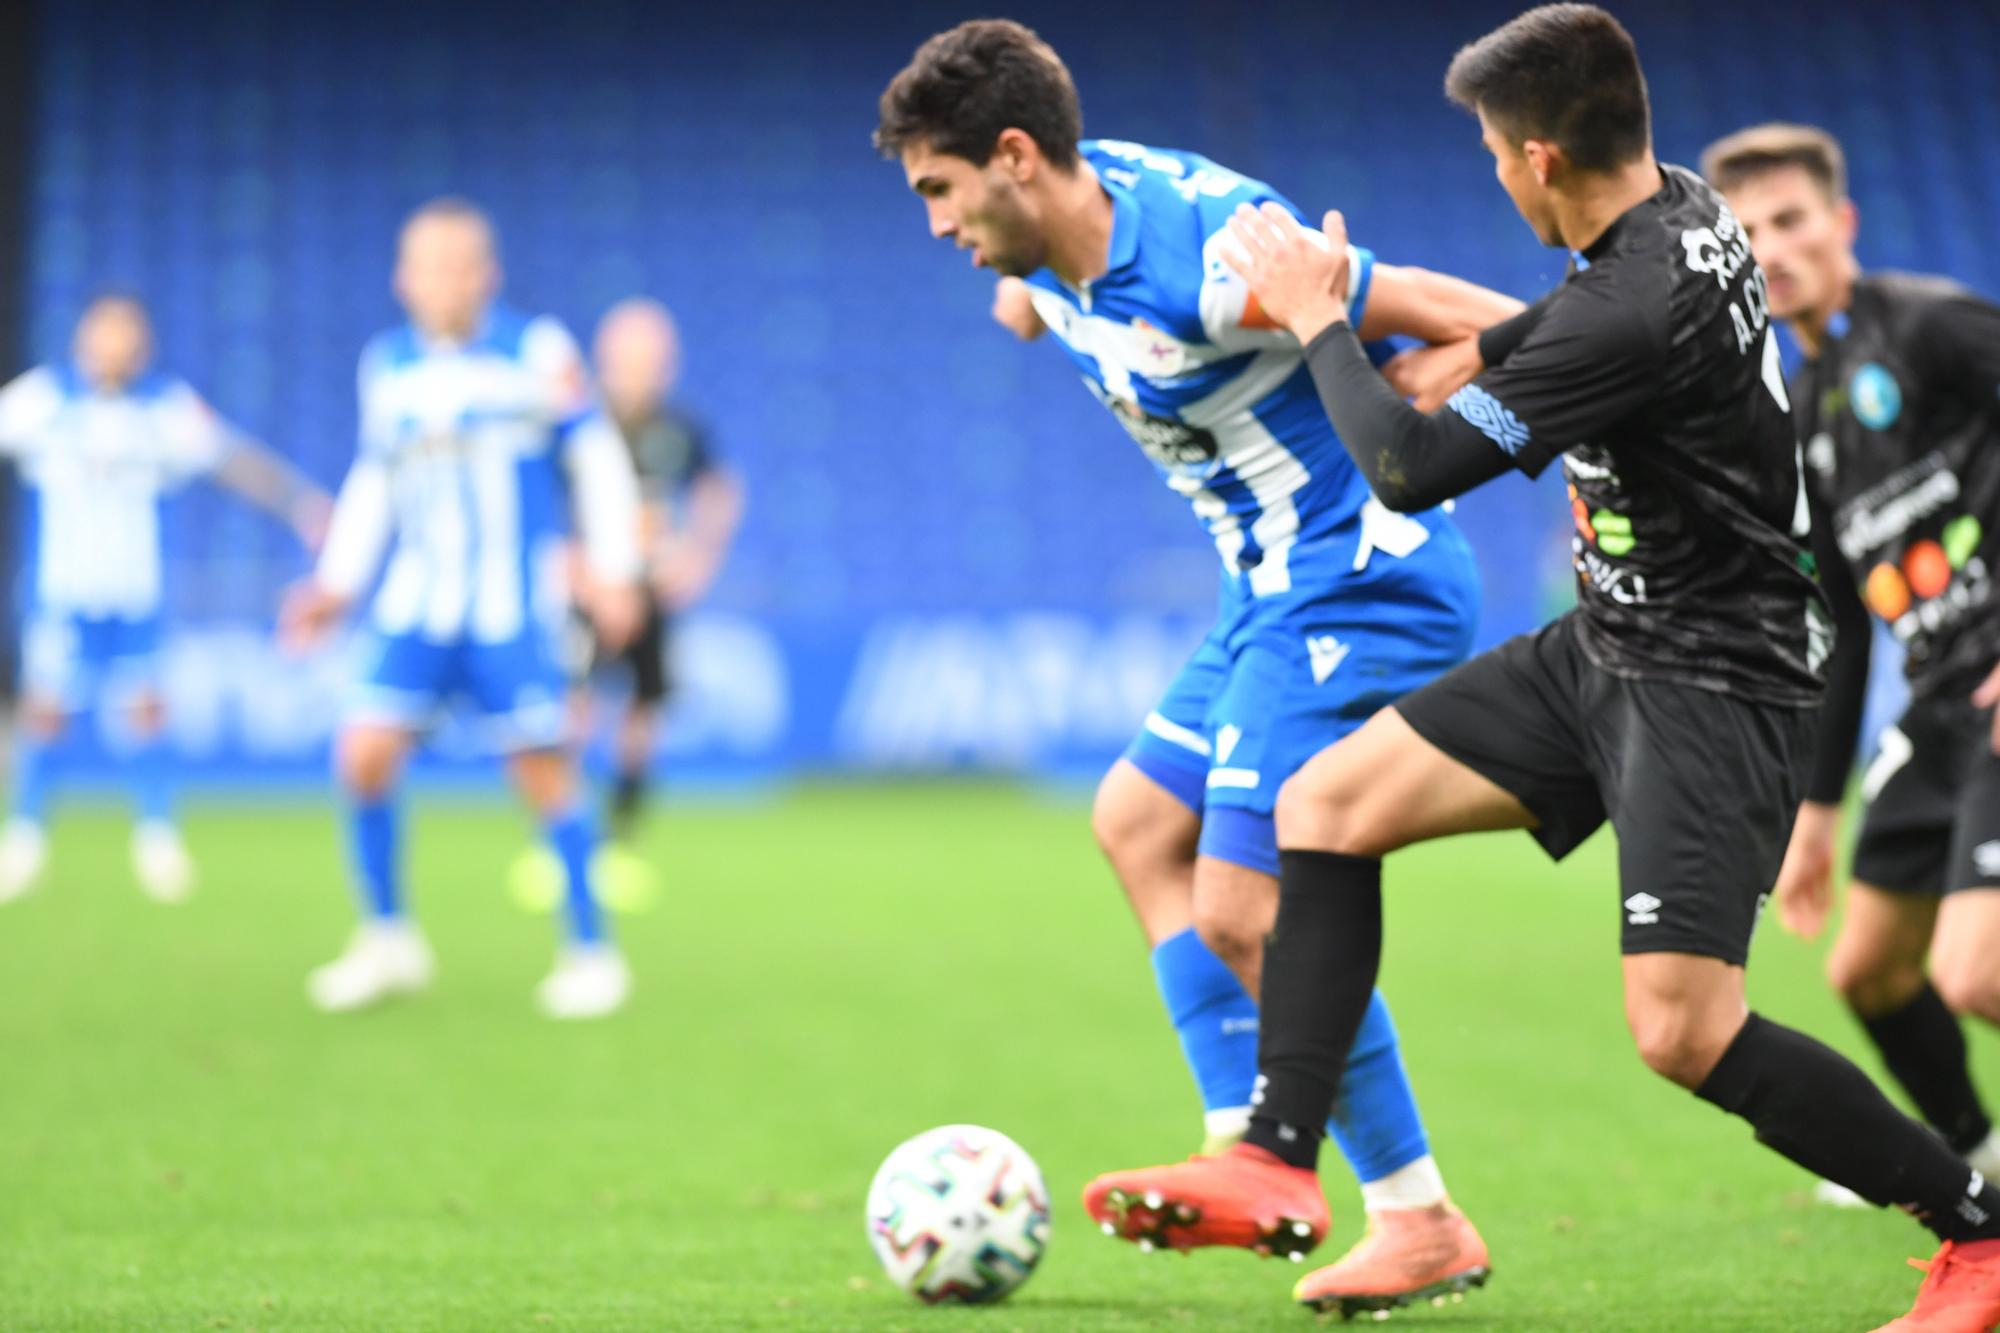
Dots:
pixel 517 688
pixel 1283 676
pixel 76 660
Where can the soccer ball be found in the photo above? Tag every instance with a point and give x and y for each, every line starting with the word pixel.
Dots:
pixel 958 1213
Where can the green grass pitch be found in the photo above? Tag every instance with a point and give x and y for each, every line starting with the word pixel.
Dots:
pixel 184 1145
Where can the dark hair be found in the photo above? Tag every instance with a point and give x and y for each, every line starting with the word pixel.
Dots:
pixel 964 86
pixel 1568 74
pixel 1730 161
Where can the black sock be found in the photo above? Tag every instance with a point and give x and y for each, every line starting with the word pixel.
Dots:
pixel 628 794
pixel 1319 973
pixel 1812 1105
pixel 1924 1048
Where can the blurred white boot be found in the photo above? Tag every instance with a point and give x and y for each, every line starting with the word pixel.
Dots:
pixel 161 862
pixel 24 850
pixel 384 959
pixel 589 981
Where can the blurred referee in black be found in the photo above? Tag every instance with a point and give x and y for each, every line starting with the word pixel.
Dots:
pixel 690 511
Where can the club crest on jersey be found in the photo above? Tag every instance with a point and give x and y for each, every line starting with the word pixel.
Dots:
pixel 1875 396
pixel 1155 354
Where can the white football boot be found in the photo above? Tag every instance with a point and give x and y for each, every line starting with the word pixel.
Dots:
pixel 161 862
pixel 384 959
pixel 589 981
pixel 24 851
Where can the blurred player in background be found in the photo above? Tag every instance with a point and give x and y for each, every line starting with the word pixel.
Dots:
pixel 100 442
pixel 1332 605
pixel 464 478
pixel 690 507
pixel 1898 406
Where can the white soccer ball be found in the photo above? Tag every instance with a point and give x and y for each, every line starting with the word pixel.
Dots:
pixel 959 1213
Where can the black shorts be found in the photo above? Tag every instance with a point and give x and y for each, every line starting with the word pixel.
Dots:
pixel 645 656
pixel 1933 820
pixel 1701 787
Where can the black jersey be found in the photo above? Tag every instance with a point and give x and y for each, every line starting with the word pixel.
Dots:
pixel 1900 412
pixel 669 450
pixel 1653 373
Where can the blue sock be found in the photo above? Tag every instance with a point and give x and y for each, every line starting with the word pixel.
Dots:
pixel 152 780
pixel 573 838
pixel 34 776
pixel 1215 1018
pixel 374 844
pixel 1375 1117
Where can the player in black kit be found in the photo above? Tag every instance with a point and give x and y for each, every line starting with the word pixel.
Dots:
pixel 1898 405
pixel 1678 701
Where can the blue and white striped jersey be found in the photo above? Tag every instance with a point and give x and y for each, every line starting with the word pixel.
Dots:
pixel 95 468
pixel 464 474
pixel 1216 395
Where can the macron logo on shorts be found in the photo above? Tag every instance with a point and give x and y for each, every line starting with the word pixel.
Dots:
pixel 1642 909
pixel 1326 653
pixel 1986 857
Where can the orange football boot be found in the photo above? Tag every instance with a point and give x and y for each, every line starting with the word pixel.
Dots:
pixel 1408 1255
pixel 1961 1291
pixel 1245 1197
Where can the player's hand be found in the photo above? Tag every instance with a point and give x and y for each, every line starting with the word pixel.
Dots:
pixel 1014 310
pixel 307 615
pixel 1299 278
pixel 1429 376
pixel 616 611
pixel 1987 696
pixel 1805 884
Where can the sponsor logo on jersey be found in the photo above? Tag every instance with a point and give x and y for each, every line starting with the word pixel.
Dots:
pixel 1642 909
pixel 1895 505
pixel 1875 396
pixel 1179 448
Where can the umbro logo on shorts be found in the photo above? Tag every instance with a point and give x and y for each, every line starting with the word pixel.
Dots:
pixel 1642 909
pixel 1986 857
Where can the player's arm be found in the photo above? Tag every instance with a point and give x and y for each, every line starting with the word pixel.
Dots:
pixel 695 556
pixel 1429 376
pixel 1586 364
pixel 359 529
pixel 28 403
pixel 1014 310
pixel 1430 307
pixel 200 442
pixel 606 489
pixel 1804 891
pixel 264 477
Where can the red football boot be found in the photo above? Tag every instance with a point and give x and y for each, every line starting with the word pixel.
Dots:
pixel 1245 1197
pixel 1961 1292
pixel 1409 1255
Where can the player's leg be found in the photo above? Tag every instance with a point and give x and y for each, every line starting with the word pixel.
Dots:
pixel 519 687
pixel 1704 787
pixel 1147 821
pixel 401 687
pixel 1384 786
pixel 590 979
pixel 639 728
pixel 40 723
pixel 160 859
pixel 56 681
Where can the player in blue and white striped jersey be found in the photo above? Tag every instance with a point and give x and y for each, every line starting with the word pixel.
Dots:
pixel 474 452
pixel 1332 606
pixel 100 443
